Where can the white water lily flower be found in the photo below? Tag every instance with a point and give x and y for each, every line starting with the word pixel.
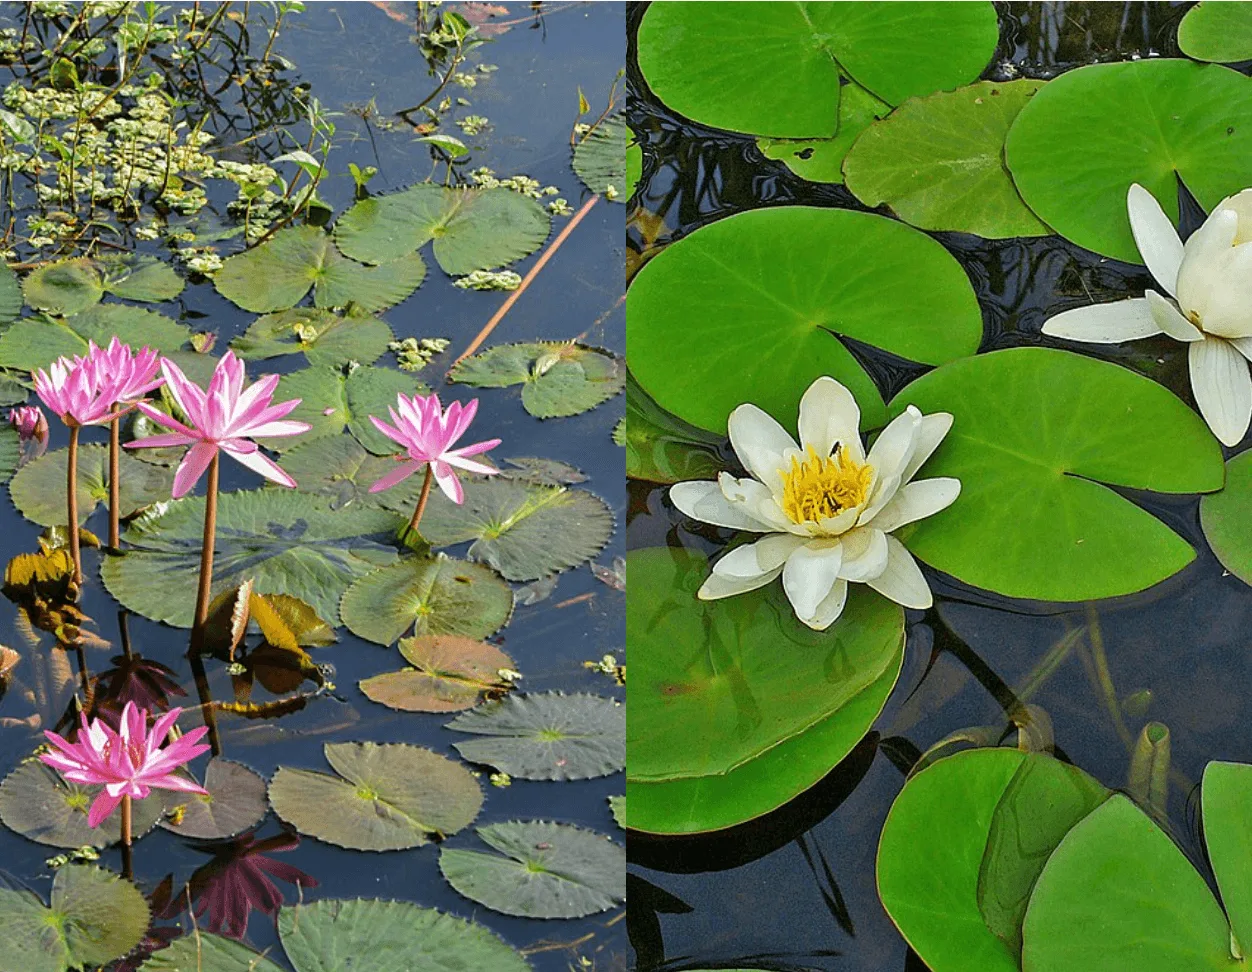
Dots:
pixel 827 510
pixel 1210 281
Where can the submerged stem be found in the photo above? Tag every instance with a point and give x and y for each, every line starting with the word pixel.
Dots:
pixel 71 503
pixel 115 487
pixel 421 503
pixel 127 869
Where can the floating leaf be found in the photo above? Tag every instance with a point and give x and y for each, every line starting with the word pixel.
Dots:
pixel 524 530
pixel 1219 32
pixel 938 162
pixel 38 489
pixel 600 158
pixel 1228 836
pixel 543 870
pixel 392 936
pixel 11 298
pixel 437 596
pixel 64 287
pixel 557 378
pixel 1079 144
pixel 283 541
pixel 94 918
pixel 634 168
pixel 36 342
pixel 473 229
pixel 206 952
pixel 547 472
pixel 715 322
pixel 547 736
pixel 662 448
pixel 1226 517
pixel 448 673
pixel 387 796
pixel 134 276
pixel 1055 426
pixel 617 806
pixel 339 468
pixel 821 159
pixel 278 273
pixel 324 337
pixel 10 451
pixel 774 68
pixel 235 802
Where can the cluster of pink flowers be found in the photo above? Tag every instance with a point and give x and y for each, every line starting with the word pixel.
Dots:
pixel 95 388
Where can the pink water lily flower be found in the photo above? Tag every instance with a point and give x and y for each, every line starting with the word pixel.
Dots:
pixel 30 423
pixel 428 434
pixel 132 376
pixel 127 763
pixel 86 389
pixel 228 417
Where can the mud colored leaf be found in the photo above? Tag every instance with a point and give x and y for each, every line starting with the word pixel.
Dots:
pixel 235 802
pixel 448 673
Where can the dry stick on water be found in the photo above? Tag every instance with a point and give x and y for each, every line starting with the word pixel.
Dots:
pixel 509 301
pixel 115 486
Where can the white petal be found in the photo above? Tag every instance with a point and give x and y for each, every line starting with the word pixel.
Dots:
pixel 1243 345
pixel 1222 388
pixel 829 415
pixel 1122 320
pixel 1155 237
pixel 1170 320
pixel 840 523
pixel 932 431
pixel 1241 203
pixel 809 575
pixel 718 585
pixel 902 581
pixel 1228 312
pixel 704 501
pixel 913 501
pixel 762 557
pixel 1202 260
pixel 883 494
pixel 894 447
pixel 864 554
pixel 757 501
pixel 762 445
pixel 831 607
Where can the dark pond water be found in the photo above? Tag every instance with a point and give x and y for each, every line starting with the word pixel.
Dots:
pixel 349 55
pixel 796 890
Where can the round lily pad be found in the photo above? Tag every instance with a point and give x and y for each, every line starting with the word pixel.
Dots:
pixel 754 307
pixel 64 287
pixel 634 170
pixel 524 530
pixel 10 451
pixel 543 870
pixel 600 158
pixel 1227 812
pixel 11 299
pixel 339 468
pixel 938 162
pixel 1219 32
pixel 774 68
pixel 433 596
pixel 821 159
pixel 1056 426
pixel 558 378
pixel 235 802
pixel 1226 518
pixel 448 673
pixel 661 447
pixel 287 543
pixel 35 342
pixel 94 918
pixel 546 736
pixel 696 664
pixel 473 229
pixel 617 806
pixel 135 276
pixel 38 489
pixel 1087 135
pixel 322 336
pixel 386 796
pixel 206 952
pixel 391 936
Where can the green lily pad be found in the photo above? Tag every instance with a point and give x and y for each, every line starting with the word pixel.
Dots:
pixel 338 468
pixel 36 803
pixel 938 162
pixel 387 796
pixel 543 870
pixel 38 489
pixel 10 451
pixel 634 172
pixel 64 287
pixel 546 736
pixel 433 596
pixel 1226 810
pixel 36 342
pixel 235 802
pixel 1087 135
pixel 524 530
pixel 322 336
pixel 774 69
pixel 277 274
pixel 558 378
pixel 715 322
pixel 1117 895
pixel 1226 518
pixel 391 936
pixel 714 684
pixel 473 229
pixel 448 673
pixel 1219 32
pixel 617 807
pixel 284 541
pixel 968 832
pixel 661 447
pixel 11 299
pixel 600 159
pixel 205 952
pixel 94 918
pixel 1055 426
pixel 821 159
pixel 134 276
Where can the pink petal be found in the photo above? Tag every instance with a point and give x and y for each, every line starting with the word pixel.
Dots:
pixel 255 399
pixel 162 441
pixel 278 429
pixel 194 463
pixel 161 729
pixel 260 463
pixel 472 450
pixel 188 395
pixel 166 420
pixel 397 475
pixel 469 464
pixel 101 808
pixel 448 482
pixel 179 783
pixel 395 435
pixel 463 421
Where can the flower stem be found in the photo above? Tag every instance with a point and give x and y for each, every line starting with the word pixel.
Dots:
pixel 206 560
pixel 115 486
pixel 71 503
pixel 421 504
pixel 127 869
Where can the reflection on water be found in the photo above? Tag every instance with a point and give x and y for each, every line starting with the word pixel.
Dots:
pixel 795 890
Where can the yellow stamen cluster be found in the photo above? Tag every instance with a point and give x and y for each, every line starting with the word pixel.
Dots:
pixel 821 486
